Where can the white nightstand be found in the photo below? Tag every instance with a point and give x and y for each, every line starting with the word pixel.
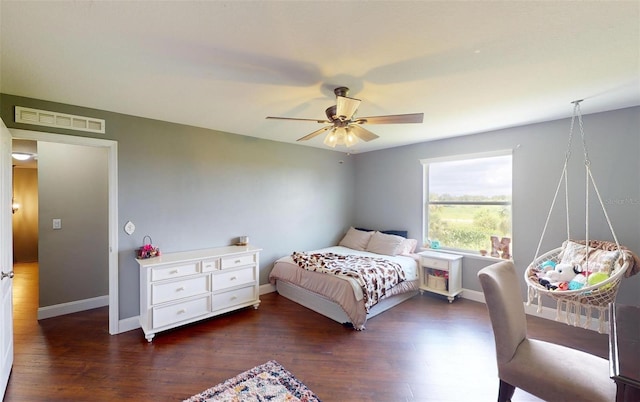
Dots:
pixel 441 273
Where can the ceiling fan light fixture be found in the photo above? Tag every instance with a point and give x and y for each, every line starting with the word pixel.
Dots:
pixel 331 140
pixel 340 136
pixel 350 139
pixel 345 128
pixel 346 107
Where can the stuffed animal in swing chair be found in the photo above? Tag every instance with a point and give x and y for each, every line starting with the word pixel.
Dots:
pixel 560 276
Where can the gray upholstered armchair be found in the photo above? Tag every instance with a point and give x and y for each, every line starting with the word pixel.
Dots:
pixel 549 371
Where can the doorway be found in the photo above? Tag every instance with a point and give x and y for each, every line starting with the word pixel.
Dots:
pixel 24 200
pixel 111 219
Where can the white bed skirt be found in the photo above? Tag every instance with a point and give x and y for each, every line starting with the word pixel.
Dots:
pixel 330 309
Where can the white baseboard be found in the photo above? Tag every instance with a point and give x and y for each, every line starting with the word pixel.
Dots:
pixel 131 323
pixel 268 288
pixel 72 307
pixel 532 309
pixel 473 295
pixel 128 324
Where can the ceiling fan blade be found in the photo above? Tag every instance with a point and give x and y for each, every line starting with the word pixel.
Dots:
pixel 346 107
pixel 293 118
pixel 392 119
pixel 317 132
pixel 364 135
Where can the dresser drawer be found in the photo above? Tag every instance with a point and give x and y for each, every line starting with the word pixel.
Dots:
pixel 238 261
pixel 174 271
pixel 210 265
pixel 233 297
pixel 227 279
pixel 175 290
pixel 173 313
pixel 442 265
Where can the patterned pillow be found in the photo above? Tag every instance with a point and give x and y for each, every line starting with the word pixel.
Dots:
pixel 355 239
pixel 572 253
pixel 599 260
pixel 386 244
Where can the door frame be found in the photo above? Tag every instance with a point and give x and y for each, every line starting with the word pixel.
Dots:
pixel 112 162
pixel 6 262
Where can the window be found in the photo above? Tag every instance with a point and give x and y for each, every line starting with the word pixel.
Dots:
pixel 468 200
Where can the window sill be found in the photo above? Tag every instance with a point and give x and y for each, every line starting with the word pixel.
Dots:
pixel 467 254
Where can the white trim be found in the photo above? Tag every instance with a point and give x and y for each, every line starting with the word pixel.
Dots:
pixel 267 288
pixel 451 158
pixel 546 312
pixel 112 146
pixel 129 324
pixel 473 295
pixel 477 155
pixel 72 307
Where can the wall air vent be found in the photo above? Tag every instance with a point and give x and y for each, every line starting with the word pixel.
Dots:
pixel 59 120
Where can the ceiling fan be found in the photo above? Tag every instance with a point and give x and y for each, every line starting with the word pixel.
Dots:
pixel 345 127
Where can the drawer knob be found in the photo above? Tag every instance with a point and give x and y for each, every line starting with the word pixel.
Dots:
pixel 182 311
pixel 238 261
pixel 173 272
pixel 180 289
pixel 233 278
pixel 233 298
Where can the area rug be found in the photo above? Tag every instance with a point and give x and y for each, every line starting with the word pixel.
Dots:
pixel 267 382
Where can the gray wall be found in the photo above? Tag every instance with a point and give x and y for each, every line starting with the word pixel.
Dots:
pixel 192 188
pixel 389 185
pixel 73 187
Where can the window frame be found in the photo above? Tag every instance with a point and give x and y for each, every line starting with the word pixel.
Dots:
pixel 460 157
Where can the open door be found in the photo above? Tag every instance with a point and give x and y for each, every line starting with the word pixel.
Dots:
pixel 6 260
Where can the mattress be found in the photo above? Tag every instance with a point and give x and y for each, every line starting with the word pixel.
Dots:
pixel 343 291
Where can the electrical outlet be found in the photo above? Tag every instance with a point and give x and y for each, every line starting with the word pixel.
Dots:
pixel 57 223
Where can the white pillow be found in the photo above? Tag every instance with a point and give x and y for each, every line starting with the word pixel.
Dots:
pixel 408 246
pixel 386 244
pixel 355 239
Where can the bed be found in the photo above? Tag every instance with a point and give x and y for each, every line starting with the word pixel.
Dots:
pixel 340 297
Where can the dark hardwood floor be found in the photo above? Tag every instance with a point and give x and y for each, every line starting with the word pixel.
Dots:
pixel 422 350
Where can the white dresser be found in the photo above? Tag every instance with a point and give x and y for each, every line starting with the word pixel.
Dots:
pixel 180 288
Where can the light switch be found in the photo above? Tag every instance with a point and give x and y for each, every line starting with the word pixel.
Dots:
pixel 57 223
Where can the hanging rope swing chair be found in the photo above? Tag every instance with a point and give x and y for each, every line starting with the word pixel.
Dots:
pixel 580 275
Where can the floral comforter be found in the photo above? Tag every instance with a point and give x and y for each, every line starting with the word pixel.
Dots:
pixel 374 275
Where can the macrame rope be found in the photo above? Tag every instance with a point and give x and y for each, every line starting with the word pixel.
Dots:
pixel 572 302
pixel 589 178
pixel 577 114
pixel 564 177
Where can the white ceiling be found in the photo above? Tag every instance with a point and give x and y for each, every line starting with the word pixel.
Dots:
pixel 469 66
